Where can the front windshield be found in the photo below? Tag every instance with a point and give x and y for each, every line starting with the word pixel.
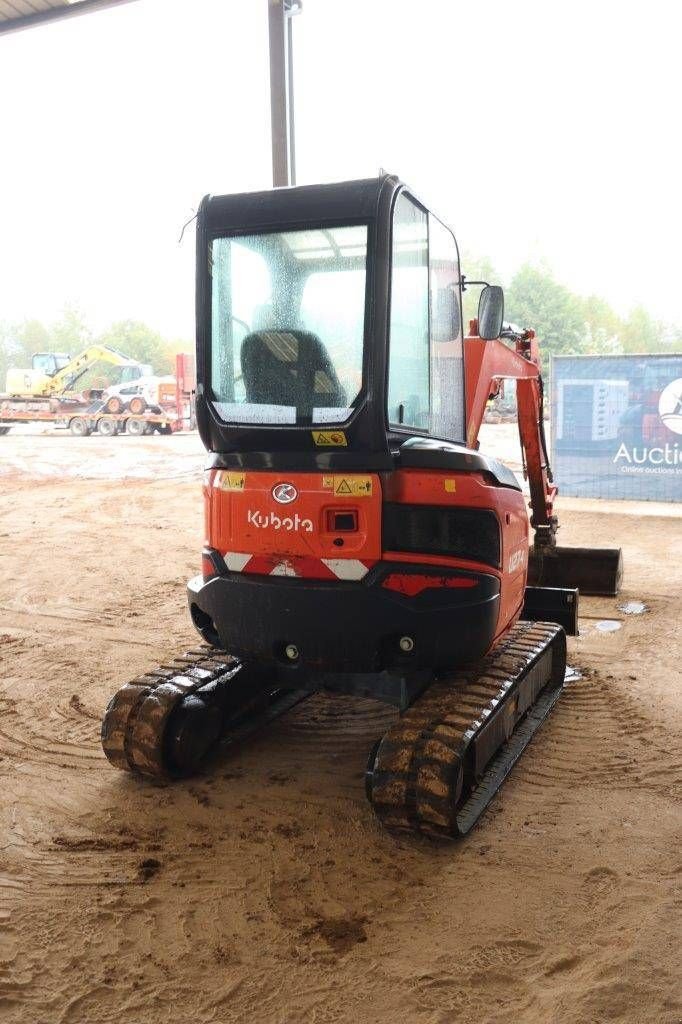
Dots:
pixel 287 325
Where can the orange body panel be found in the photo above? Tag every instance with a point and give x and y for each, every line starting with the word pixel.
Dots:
pixel 470 490
pixel 243 518
pixel 242 514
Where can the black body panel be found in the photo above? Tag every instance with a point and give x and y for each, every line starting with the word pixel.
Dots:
pixel 471 533
pixel 348 627
pixel 430 453
pixel 415 453
pixel 552 604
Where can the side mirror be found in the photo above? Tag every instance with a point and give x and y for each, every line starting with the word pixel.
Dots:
pixel 490 312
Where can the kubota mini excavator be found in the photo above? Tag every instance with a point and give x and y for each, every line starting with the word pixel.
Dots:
pixel 357 541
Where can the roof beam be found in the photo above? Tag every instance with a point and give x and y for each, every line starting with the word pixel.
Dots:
pixel 68 10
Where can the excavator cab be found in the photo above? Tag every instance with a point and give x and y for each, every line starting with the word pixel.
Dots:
pixel 329 324
pixel 50 363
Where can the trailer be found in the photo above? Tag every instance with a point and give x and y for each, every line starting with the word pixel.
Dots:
pixel 174 410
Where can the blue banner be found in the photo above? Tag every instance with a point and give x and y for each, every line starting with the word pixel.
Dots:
pixel 617 426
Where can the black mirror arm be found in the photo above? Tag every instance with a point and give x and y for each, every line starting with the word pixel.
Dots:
pixel 464 282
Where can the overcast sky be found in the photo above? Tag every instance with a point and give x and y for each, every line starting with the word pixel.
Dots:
pixel 535 129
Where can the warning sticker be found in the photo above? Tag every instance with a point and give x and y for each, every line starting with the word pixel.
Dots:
pixel 328 481
pixel 231 481
pixel 353 486
pixel 450 486
pixel 333 438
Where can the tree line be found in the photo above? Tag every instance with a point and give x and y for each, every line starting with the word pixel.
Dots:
pixel 72 334
pixel 566 323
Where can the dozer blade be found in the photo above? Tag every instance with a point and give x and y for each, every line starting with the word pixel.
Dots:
pixel 597 571
pixel 438 768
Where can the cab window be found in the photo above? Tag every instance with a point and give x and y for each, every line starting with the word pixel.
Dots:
pixel 408 376
pixel 425 377
pixel 288 325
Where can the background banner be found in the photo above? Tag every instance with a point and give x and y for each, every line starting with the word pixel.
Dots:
pixel 617 426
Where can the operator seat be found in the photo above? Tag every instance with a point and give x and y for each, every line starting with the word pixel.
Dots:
pixel 290 367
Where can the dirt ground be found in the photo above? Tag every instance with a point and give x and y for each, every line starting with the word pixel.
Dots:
pixel 264 890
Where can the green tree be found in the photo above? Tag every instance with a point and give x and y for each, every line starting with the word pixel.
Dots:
pixel 70 333
pixel 18 343
pixel 137 340
pixel 535 299
pixel 602 326
pixel 641 333
pixel 31 336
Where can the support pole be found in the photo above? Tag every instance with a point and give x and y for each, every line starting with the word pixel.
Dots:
pixel 280 13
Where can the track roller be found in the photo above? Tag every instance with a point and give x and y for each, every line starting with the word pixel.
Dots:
pixel 438 768
pixel 165 723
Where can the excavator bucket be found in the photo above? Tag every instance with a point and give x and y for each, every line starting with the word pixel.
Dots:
pixel 597 571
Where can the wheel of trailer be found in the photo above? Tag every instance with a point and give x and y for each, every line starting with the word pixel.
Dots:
pixel 165 429
pixel 136 426
pixel 114 405
pixel 79 426
pixel 137 405
pixel 107 426
pixel 4 430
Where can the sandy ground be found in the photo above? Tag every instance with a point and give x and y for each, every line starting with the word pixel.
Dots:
pixel 265 891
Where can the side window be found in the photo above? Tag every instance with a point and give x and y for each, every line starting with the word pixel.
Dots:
pixel 425 368
pixel 242 290
pixel 408 368
pixel 447 363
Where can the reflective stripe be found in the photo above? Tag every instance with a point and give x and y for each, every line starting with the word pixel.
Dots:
pixel 236 560
pixel 346 568
pixel 283 569
pixel 297 565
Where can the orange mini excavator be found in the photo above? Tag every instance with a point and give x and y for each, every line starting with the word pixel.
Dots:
pixel 357 540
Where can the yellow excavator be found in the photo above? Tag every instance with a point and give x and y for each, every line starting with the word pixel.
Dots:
pixel 56 373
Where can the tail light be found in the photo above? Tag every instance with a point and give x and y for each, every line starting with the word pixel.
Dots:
pixel 411 584
pixel 208 569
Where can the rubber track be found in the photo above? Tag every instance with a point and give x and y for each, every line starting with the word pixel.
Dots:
pixel 135 721
pixel 425 777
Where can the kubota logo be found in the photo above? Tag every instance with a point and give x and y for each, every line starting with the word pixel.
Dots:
pixel 670 406
pixel 270 520
pixel 284 493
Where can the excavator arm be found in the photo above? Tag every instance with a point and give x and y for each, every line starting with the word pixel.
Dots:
pixel 487 363
pixel 66 378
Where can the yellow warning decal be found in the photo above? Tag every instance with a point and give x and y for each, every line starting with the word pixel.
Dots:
pixel 353 486
pixel 231 481
pixel 332 438
pixel 450 486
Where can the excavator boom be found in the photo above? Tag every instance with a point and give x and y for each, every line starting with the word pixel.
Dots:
pixel 595 571
pixel 38 383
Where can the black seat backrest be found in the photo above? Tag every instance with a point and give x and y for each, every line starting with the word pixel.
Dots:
pixel 290 368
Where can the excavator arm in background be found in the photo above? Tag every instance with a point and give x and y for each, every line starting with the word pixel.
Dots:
pixel 487 363
pixel 66 378
pixel 40 383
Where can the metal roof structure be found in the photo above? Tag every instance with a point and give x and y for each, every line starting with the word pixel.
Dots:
pixel 18 14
